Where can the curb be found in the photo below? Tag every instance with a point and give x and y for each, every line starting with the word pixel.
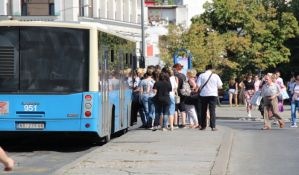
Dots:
pixel 223 156
pixel 229 118
pixel 65 168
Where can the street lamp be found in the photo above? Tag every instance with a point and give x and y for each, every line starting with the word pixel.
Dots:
pixel 142 34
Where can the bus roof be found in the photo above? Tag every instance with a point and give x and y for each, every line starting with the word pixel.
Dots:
pixel 76 25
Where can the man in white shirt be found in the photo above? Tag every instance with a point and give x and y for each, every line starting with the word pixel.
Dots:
pixel 208 83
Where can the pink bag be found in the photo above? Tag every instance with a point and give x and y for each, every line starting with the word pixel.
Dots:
pixel 280 107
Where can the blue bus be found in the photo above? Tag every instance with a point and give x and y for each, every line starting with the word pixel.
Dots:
pixel 64 77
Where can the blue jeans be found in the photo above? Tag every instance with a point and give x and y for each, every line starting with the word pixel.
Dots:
pixel 172 105
pixel 294 105
pixel 149 108
pixel 142 115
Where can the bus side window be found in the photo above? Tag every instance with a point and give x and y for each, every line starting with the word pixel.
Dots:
pixel 134 62
pixel 112 56
pixel 131 60
pixel 127 58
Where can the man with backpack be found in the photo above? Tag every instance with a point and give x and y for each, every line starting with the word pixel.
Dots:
pixel 181 106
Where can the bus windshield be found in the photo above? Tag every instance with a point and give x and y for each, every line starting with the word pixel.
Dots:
pixel 43 59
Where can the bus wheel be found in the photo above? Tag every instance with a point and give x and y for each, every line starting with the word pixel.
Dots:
pixel 125 131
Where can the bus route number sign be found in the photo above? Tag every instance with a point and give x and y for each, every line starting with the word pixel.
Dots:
pixel 30 108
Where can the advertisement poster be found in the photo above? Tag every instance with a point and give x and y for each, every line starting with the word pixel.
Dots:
pixel 183 61
pixel 4 107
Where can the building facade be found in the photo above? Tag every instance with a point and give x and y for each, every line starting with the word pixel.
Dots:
pixel 120 16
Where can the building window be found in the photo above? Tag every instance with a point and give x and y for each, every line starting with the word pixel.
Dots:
pixel 37 7
pixel 85 9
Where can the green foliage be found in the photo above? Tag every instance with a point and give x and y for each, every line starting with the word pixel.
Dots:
pixel 237 36
pixel 171 43
pixel 295 8
pixel 255 31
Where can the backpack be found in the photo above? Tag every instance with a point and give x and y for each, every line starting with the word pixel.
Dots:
pixel 186 89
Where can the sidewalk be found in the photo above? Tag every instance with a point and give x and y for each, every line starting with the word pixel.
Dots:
pixel 182 151
pixel 141 152
pixel 236 113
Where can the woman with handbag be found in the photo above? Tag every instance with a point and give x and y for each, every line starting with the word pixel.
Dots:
pixel 270 92
pixel 173 95
pixel 191 100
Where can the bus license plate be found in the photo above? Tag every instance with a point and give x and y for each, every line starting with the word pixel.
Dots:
pixel 29 125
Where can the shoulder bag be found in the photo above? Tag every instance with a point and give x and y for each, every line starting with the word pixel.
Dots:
pixel 205 84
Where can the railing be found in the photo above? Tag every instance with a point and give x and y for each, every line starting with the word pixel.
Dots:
pixel 112 22
pixel 30 18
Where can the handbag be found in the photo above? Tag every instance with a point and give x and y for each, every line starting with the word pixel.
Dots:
pixel 256 98
pixel 284 95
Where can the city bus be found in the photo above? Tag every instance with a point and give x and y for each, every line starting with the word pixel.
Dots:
pixel 64 77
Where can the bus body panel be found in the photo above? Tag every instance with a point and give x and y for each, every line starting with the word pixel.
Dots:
pixel 48 97
pixel 57 112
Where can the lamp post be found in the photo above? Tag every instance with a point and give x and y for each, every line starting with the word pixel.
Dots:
pixel 142 34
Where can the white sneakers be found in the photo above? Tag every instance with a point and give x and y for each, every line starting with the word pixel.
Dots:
pixel 249 114
pixel 294 126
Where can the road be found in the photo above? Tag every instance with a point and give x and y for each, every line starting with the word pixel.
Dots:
pixel 257 152
pixel 43 154
pixel 253 151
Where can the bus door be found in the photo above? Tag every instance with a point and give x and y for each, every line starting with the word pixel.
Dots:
pixel 123 82
pixel 114 88
pixel 105 91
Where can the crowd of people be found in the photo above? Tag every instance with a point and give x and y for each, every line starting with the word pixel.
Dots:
pixel 272 92
pixel 166 98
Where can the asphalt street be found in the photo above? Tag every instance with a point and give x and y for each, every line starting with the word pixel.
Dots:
pixel 43 153
pixel 258 152
pixel 253 151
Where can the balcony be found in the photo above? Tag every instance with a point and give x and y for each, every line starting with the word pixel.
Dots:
pixel 30 18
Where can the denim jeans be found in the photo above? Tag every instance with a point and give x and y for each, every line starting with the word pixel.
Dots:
pixel 172 105
pixel 142 115
pixel 294 106
pixel 149 108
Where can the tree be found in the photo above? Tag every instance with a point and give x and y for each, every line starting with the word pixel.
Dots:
pixel 295 8
pixel 170 43
pixel 254 31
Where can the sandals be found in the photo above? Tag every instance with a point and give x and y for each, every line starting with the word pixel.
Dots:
pixel 281 123
pixel 266 128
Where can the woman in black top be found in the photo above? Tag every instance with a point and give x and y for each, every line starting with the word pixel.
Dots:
pixel 162 99
pixel 249 91
pixel 233 91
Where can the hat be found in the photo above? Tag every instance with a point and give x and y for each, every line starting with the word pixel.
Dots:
pixel 178 66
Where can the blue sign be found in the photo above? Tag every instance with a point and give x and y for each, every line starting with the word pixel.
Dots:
pixel 185 60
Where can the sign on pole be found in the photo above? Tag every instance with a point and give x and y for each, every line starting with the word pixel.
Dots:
pixel 185 59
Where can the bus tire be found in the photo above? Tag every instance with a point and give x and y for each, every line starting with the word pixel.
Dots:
pixel 112 129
